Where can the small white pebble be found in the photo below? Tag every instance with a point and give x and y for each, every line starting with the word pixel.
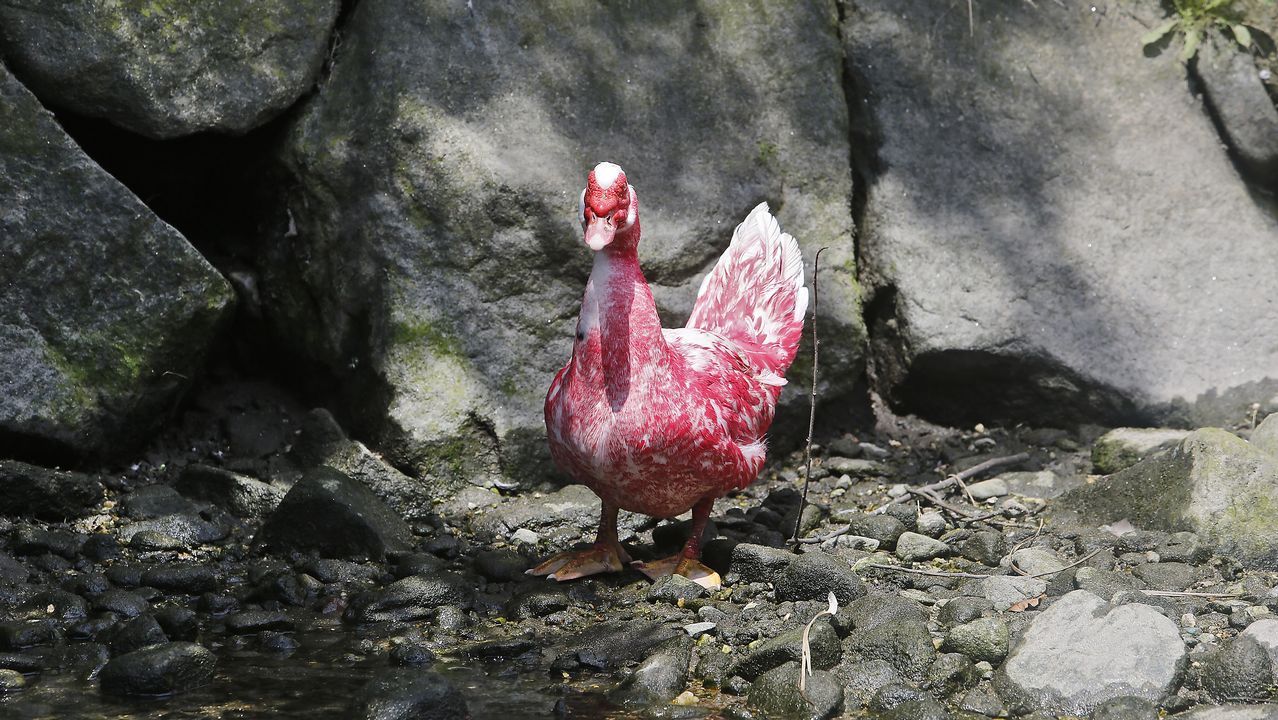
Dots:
pixel 685 698
pixel 526 536
pixel 1265 74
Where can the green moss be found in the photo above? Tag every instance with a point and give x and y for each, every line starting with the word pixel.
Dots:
pixel 420 333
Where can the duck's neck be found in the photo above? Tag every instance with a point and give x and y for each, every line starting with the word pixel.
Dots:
pixel 619 332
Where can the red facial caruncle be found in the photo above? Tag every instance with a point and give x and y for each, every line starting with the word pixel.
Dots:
pixel 609 208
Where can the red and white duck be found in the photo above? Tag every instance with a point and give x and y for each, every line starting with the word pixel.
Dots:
pixel 655 420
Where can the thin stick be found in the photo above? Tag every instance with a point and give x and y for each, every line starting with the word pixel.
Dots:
pixel 931 573
pixel 959 477
pixel 1177 593
pixel 1017 569
pixel 816 345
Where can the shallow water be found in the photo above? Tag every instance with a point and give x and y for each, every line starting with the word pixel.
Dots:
pixel 316 681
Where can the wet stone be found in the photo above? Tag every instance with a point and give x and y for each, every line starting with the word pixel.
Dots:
pixel 674 589
pixel 91 628
pixel 502 565
pixel 659 678
pixel 189 529
pixel 25 664
pixel 332 514
pixel 83 658
pixel 609 645
pixel 179 623
pixel 277 642
pixel 407 694
pixel 151 540
pixel 412 598
pixel 159 670
pixel 135 634
pixel 814 575
pixel 981 639
pixel 19 634
pixel 192 579
pixel 1126 708
pixel 125 603
pixel 822 639
pixel 241 495
pixel 951 672
pixel 758 563
pixel 12 571
pixel 66 606
pixel 776 694
pixel 252 621
pixel 865 679
pixel 30 540
pixel 412 654
pixel 536 601
pixel 11 681
pixel 155 501
pixel 903 642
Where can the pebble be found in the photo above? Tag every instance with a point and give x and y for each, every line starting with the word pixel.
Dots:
pixel 411 598
pixel 525 536
pixel 981 639
pixel 985 547
pixel 776 694
pixel 1038 561
pixel 913 547
pixel 986 489
pixel 931 524
pixel 158 670
pixel 660 677
pixel 11 681
pixel 1005 591
pixel 699 628
pixel 403 693
pixel 814 575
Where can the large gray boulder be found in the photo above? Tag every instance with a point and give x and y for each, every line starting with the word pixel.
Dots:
pixel 1082 651
pixel 1213 483
pixel 1246 113
pixel 1052 232
pixel 105 310
pixel 165 69
pixel 430 259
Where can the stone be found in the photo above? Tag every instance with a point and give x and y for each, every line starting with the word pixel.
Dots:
pixel 238 494
pixel 182 577
pixel 1240 711
pixel 459 337
pixel 865 679
pixel 106 312
pixel 125 603
pixel 1240 671
pixel 169 69
pixel 822 639
pixel 1213 483
pixel 951 672
pixel 252 621
pixel 982 639
pixel 537 601
pixel 963 609
pixel 1009 297
pixel 776 694
pixel 408 694
pixel 329 513
pixel 53 495
pixel 1126 708
pixel 659 678
pixel 1265 437
pixel 152 501
pixel 1128 650
pixel 11 681
pixel 136 634
pixel 1122 448
pixel 574 507
pixel 1168 575
pixel 323 443
pixel 411 598
pixel 158 670
pixel 187 529
pixel 609 645
pixel 985 547
pixel 931 524
pixel 814 575
pixel 903 642
pixel 986 489
pixel 412 654
pixel 855 467
pixel 1105 583
pixel 675 589
pixel 1043 484
pixel 913 547
pixel 1245 112
pixel 1265 632
pixel 503 565
pixel 759 563
pixel 884 528
pixel 1183 547
pixel 1038 561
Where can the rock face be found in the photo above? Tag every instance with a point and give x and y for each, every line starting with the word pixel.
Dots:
pixel 433 262
pixel 1121 448
pixel 105 310
pixel 170 68
pixel 1050 223
pixel 1214 484
pixel 1081 652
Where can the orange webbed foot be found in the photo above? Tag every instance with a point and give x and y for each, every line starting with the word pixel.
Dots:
pixel 574 564
pixel 680 564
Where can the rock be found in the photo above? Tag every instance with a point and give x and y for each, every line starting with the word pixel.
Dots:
pixel 1265 632
pixel 855 467
pixel 408 694
pixel 1038 561
pixel 865 679
pixel 11 681
pixel 822 639
pixel 675 589
pixel 33 491
pixel 1128 650
pixel 1126 708
pixel 1241 671
pixel 412 598
pixel 154 501
pixel 931 524
pixel 1213 483
pixel 951 672
pixel 776 694
pixel 1105 583
pixel 136 634
pixel 574 506
pixel 151 540
pixel 659 678
pixel 240 495
pixel 1009 298
pixel 913 547
pixel 963 609
pixel 188 578
pixel 1244 111
pixel 502 565
pixel 21 662
pixel 172 69
pixel 106 311
pixel 983 639
pixel 1122 448
pixel 759 563
pixel 986 489
pixel 454 363
pixel 1231 712
pixel 1265 437
pixel 329 513
pixel 412 654
pixel 1168 575
pixel 158 670
pixel 608 645
pixel 323 443
pixel 252 621
pixel 186 529
pixel 537 601
pixel 985 547
pixel 19 634
pixel 814 575
pixel 1183 547
pixel 902 641
pixel 884 528
pixel 1037 484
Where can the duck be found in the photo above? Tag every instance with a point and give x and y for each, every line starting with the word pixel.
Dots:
pixel 661 421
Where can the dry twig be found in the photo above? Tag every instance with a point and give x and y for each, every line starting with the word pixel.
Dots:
pixel 816 345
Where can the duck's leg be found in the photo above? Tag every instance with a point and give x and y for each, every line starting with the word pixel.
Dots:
pixel 606 555
pixel 687 562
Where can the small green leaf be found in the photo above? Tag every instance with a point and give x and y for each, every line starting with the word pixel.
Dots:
pixel 1191 46
pixel 1157 33
pixel 1242 35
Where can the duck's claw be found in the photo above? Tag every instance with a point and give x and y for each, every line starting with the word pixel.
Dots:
pixel 690 568
pixel 581 563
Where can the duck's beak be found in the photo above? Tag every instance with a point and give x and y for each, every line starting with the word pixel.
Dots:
pixel 599 231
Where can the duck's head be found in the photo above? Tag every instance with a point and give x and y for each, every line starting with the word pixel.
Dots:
pixel 609 209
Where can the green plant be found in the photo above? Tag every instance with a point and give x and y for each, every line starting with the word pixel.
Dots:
pixel 1194 18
